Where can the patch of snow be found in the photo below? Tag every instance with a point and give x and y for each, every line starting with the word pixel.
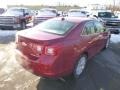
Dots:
pixel 115 38
pixel 2 55
pixel 7 32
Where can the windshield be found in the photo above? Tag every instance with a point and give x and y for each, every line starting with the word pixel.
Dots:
pixel 76 14
pixel 48 9
pixel 106 14
pixel 15 11
pixel 56 26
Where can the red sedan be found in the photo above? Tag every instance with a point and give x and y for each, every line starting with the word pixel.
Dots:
pixel 61 46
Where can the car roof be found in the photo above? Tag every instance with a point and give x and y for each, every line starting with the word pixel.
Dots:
pixel 73 19
pixel 48 9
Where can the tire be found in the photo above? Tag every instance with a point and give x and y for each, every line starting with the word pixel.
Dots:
pixel 23 25
pixel 80 66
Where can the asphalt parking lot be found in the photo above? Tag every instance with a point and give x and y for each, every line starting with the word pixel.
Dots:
pixel 102 72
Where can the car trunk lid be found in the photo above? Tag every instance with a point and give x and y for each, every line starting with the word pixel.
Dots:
pixel 27 42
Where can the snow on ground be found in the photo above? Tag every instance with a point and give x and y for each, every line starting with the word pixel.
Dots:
pixel 115 38
pixel 4 33
pixel 7 36
pixel 12 75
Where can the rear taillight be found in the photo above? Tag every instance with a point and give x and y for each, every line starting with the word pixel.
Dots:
pixel 39 49
pixel 50 51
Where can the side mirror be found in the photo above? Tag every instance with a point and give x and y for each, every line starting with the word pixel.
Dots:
pixel 104 30
pixel 88 15
pixel 36 13
pixel 26 14
pixel 95 16
pixel 58 14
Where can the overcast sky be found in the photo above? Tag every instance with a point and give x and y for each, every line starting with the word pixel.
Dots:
pixel 56 2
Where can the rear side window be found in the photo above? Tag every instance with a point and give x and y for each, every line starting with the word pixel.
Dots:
pixel 89 28
pixel 99 27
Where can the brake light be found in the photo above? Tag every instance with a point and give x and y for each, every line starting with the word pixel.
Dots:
pixel 39 49
pixel 50 51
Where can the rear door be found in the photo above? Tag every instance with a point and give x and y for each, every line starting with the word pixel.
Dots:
pixel 90 38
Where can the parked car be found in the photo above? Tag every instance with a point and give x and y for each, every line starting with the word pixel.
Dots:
pixel 15 18
pixel 109 19
pixel 61 46
pixel 45 14
pixel 76 13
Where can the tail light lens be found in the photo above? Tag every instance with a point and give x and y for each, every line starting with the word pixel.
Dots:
pixel 39 49
pixel 50 51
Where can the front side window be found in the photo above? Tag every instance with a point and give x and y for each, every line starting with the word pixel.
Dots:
pixel 99 27
pixel 55 26
pixel 89 29
pixel 15 11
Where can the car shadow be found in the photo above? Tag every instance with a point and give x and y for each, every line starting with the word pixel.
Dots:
pixel 95 77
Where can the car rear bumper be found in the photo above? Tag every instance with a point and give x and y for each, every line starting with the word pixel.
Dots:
pixel 40 69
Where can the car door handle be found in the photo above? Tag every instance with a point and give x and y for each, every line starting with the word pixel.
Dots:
pixel 93 40
pixel 100 36
pixel 90 42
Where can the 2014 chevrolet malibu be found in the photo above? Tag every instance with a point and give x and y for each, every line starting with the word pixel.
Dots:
pixel 61 46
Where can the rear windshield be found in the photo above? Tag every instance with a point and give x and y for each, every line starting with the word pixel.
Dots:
pixel 56 26
pixel 53 11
